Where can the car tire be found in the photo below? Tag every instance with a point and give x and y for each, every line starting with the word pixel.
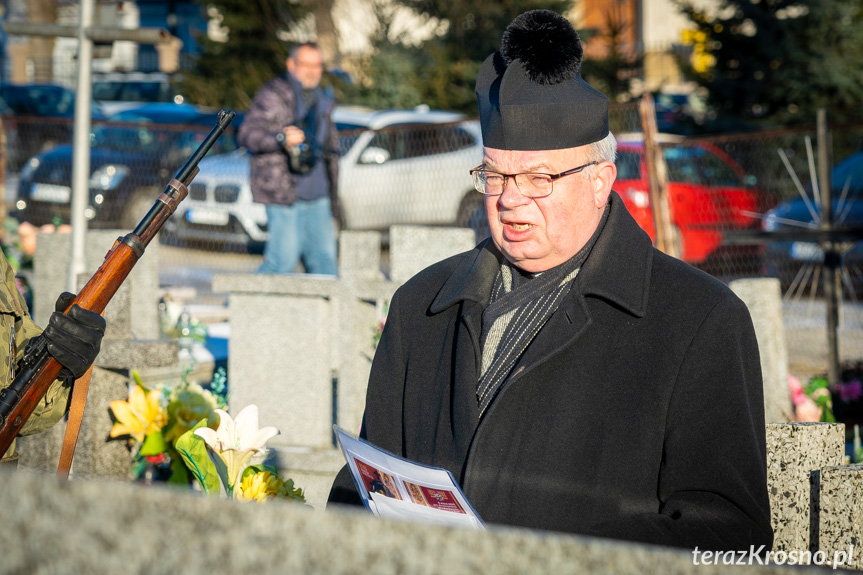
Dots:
pixel 471 214
pixel 137 206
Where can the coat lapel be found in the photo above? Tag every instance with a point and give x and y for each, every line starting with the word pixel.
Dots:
pixel 465 295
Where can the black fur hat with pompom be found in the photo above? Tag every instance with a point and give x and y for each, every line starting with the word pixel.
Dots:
pixel 531 95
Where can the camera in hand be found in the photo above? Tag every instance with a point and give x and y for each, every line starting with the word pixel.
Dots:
pixel 303 157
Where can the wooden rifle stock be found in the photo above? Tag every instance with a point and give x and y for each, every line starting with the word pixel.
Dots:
pixel 37 369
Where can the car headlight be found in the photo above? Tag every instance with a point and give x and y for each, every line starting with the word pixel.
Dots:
pixel 768 224
pixel 108 177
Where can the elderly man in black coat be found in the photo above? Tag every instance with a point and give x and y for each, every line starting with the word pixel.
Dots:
pixel 569 375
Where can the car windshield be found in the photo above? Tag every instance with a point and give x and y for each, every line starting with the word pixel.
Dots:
pixel 404 141
pixel 145 139
pixel 698 166
pixel 133 91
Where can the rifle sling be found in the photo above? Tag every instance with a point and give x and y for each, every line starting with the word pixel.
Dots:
pixel 73 423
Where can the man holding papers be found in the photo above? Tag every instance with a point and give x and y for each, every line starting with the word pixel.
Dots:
pixel 570 376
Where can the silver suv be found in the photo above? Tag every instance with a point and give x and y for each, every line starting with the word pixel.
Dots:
pixel 396 167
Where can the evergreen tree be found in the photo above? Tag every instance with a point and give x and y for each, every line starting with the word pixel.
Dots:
pixel 778 61
pixel 228 73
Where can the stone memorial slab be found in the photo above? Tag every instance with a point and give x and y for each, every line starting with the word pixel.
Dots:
pixel 414 248
pixel 763 297
pixel 795 454
pixel 110 528
pixel 359 255
pixel 841 513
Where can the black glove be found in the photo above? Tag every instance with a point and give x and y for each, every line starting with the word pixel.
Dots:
pixel 74 339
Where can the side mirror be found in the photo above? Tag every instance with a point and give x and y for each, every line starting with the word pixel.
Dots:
pixel 374 155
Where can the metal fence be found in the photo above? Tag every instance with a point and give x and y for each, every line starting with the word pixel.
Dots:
pixel 720 189
pixel 782 168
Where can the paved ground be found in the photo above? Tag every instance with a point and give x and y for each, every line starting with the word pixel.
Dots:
pixel 806 335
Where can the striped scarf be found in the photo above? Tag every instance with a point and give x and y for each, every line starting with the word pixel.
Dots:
pixel 518 309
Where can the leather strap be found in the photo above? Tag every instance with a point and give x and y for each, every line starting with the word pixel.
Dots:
pixel 73 423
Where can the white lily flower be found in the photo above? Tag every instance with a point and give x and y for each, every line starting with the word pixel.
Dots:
pixel 235 442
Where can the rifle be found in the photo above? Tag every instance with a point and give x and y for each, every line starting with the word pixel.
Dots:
pixel 37 369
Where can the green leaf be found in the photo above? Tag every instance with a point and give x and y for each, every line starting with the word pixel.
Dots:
pixel 252 469
pixel 179 472
pixel 154 444
pixel 193 450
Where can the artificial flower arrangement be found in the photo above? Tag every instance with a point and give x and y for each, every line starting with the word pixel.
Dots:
pixel 185 433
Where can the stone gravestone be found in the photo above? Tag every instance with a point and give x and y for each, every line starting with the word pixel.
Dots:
pixel 763 297
pixel 841 513
pixel 51 266
pixel 360 306
pixel 414 248
pixel 795 454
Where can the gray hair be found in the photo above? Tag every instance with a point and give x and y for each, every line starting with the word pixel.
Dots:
pixel 605 150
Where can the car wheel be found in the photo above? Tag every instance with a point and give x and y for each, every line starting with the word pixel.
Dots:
pixel 137 206
pixel 471 214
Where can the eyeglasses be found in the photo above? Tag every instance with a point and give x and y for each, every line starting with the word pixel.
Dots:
pixel 531 185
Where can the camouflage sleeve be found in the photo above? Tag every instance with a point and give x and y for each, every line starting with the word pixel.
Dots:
pixel 18 329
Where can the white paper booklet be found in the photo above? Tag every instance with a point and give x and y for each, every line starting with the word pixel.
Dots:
pixel 396 488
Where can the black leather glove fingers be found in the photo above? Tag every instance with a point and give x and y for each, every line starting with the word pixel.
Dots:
pixel 74 339
pixel 63 301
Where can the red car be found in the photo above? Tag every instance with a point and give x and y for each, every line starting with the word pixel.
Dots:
pixel 708 191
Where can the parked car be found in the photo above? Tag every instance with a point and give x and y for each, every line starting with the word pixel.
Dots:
pixel 120 91
pixel 132 158
pixel 396 167
pixel 709 193
pixel 801 213
pixel 38 117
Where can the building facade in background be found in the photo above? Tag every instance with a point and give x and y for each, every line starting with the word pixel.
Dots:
pixel 652 29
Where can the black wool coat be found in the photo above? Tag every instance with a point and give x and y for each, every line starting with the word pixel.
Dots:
pixel 636 413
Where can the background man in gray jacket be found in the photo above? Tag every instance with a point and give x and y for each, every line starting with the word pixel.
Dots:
pixel 569 375
pixel 294 165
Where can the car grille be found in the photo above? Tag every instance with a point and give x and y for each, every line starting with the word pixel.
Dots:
pixel 226 194
pixel 198 192
pixel 234 226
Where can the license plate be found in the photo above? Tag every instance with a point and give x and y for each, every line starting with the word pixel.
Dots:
pixel 807 252
pixel 207 217
pixel 50 193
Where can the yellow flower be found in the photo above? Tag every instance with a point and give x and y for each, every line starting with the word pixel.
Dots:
pixel 187 405
pixel 258 487
pixel 141 415
pixel 263 485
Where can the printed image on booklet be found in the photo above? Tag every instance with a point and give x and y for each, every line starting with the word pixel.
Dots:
pixel 396 488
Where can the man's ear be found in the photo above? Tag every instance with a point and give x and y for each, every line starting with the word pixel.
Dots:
pixel 604 175
pixel 289 64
